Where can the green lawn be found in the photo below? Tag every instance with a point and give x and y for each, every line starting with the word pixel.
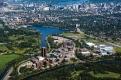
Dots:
pixel 73 34
pixel 1 27
pixel 13 38
pixel 110 74
pixel 20 51
pixel 3 48
pixel 76 74
pixel 4 59
pixel 17 39
pixel 117 49
pixel 93 41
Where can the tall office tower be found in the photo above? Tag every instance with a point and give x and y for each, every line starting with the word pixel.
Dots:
pixel 43 52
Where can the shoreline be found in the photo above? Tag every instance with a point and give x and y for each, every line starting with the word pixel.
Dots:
pixel 46 27
pixel 5 71
pixel 46 31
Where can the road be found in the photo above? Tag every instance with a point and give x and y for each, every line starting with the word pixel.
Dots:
pixel 22 65
pixel 115 45
pixel 79 31
pixel 7 76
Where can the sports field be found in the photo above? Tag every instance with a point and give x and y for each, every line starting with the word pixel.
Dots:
pixel 4 59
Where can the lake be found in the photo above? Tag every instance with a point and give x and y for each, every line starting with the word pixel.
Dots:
pixel 45 32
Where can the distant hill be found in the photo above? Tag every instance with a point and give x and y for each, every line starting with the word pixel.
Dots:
pixel 95 1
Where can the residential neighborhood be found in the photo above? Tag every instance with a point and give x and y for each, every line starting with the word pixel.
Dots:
pixel 41 40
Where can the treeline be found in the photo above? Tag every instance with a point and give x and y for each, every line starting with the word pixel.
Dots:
pixel 87 76
pixel 66 73
pixel 105 27
pixel 60 25
pixel 19 39
pixel 14 63
pixel 6 32
pixel 51 42
pixel 60 74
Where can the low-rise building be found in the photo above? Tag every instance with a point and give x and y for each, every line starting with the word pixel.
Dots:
pixel 86 53
pixel 105 49
pixel 40 58
pixel 90 44
pixel 103 53
pixel 29 64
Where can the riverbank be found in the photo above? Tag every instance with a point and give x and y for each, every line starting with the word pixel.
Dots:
pixel 45 31
pixel 13 64
pixel 4 59
pixel 7 76
pixel 52 69
pixel 72 69
pixel 4 72
pixel 48 45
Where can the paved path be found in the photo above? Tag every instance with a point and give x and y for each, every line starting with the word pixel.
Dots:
pixel 7 76
pixel 78 30
pixel 22 65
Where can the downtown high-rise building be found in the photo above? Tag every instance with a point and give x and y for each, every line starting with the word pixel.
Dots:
pixel 43 52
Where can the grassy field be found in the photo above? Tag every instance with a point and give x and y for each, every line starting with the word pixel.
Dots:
pixel 110 74
pixel 4 59
pixel 14 37
pixel 76 74
pixel 117 49
pixel 17 39
pixel 73 34
pixel 80 36
pixel 1 27
pixel 3 47
pixel 93 41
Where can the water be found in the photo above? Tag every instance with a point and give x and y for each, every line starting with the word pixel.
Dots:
pixel 69 65
pixel 70 2
pixel 4 73
pixel 107 61
pixel 45 32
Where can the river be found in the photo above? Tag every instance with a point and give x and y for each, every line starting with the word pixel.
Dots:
pixel 4 72
pixel 41 73
pixel 69 65
pixel 45 32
